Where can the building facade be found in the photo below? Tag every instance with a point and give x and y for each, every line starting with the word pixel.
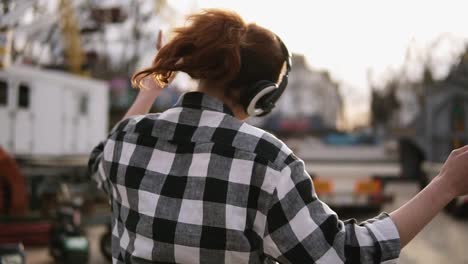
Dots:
pixel 311 93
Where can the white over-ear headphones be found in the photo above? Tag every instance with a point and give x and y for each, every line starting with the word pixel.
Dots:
pixel 260 98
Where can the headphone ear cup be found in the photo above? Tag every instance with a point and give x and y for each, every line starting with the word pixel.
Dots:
pixel 252 91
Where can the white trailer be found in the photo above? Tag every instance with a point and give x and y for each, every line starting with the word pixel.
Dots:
pixel 348 176
pixel 47 113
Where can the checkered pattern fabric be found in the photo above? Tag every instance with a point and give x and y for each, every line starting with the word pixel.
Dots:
pixel 195 185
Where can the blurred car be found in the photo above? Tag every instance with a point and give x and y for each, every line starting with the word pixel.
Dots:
pixel 348 139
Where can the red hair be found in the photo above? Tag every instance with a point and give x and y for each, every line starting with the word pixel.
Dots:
pixel 218 45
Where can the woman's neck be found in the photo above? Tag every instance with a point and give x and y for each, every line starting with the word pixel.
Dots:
pixel 217 91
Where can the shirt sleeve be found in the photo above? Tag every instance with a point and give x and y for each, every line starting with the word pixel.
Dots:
pixel 95 170
pixel 104 152
pixel 302 229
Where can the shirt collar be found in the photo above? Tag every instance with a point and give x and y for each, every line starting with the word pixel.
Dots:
pixel 199 100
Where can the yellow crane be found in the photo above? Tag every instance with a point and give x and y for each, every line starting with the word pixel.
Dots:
pixel 7 20
pixel 74 54
pixel 5 47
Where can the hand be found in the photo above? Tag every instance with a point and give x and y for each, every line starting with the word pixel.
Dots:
pixel 160 40
pixel 455 172
pixel 162 80
pixel 149 84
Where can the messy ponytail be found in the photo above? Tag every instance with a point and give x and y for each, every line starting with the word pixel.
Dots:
pixel 217 45
pixel 206 49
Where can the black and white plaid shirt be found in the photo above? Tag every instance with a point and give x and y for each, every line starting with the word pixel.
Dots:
pixel 196 185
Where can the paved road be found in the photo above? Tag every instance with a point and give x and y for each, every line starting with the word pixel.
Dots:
pixel 444 240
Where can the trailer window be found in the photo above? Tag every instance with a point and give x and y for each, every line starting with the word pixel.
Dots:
pixel 24 96
pixel 3 93
pixel 84 102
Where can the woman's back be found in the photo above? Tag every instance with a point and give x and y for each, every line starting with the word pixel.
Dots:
pixel 195 185
pixel 191 184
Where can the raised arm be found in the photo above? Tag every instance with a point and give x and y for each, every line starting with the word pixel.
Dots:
pixel 144 99
pixel 149 90
pixel 451 182
pixel 140 106
pixel 302 229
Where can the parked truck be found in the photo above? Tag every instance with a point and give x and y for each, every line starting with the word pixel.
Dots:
pixel 50 113
pixel 348 176
pixel 440 127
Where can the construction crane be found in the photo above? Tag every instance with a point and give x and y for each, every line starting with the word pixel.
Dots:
pixel 6 36
pixel 8 20
pixel 66 18
pixel 74 54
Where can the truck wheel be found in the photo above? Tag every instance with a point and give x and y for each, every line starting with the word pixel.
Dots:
pixel 411 161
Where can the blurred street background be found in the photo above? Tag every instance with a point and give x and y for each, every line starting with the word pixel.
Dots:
pixel 376 101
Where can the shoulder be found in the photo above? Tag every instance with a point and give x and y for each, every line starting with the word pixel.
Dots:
pixel 265 145
pixel 137 123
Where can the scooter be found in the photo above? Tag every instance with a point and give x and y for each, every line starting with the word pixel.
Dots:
pixel 69 243
pixel 12 254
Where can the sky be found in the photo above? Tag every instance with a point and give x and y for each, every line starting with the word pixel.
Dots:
pixel 352 38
